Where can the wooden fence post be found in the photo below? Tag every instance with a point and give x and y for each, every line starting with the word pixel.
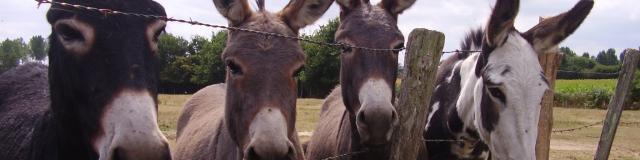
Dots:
pixel 625 82
pixel 550 63
pixel 421 64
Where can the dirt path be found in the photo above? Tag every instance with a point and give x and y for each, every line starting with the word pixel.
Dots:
pixel 566 145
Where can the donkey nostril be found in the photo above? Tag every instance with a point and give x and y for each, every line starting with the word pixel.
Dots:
pixel 291 154
pixel 361 117
pixel 251 153
pixel 118 154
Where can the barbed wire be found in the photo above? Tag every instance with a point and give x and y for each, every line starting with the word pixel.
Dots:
pixel 346 155
pixel 460 51
pixel 442 140
pixel 197 23
pixel 576 128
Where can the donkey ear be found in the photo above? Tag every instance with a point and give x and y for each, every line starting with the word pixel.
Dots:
pixel 396 7
pixel 300 13
pixel 551 31
pixel 501 21
pixel 236 11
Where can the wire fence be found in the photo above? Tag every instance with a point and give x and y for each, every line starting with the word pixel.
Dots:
pixel 337 45
pixel 576 128
pixel 106 11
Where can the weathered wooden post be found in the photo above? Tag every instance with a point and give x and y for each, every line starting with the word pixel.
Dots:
pixel 421 64
pixel 625 82
pixel 550 63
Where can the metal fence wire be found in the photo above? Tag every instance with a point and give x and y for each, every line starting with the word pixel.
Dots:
pixel 197 23
pixel 576 128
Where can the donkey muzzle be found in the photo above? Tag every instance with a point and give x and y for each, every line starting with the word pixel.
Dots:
pixel 129 129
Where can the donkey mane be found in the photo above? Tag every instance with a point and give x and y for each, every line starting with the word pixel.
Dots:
pixel 472 42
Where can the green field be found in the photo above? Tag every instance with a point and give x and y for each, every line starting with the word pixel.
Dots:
pixel 589 93
pixel 585 85
pixel 574 145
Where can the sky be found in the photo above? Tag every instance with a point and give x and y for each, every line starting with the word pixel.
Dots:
pixel 611 24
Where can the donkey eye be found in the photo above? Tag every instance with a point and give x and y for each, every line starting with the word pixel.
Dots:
pixel 497 93
pixel 234 68
pixel 74 35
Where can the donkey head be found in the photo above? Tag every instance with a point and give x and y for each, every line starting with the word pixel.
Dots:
pixel 261 87
pixel 511 83
pixel 368 77
pixel 103 78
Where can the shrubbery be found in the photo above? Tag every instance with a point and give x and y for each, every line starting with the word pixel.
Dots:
pixel 584 93
pixel 593 93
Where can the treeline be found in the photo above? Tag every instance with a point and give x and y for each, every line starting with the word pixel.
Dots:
pixel 190 64
pixel 604 65
pixel 14 52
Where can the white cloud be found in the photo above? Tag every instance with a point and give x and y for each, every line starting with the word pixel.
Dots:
pixel 612 23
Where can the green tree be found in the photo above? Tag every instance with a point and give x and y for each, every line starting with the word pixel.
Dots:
pixel 322 70
pixel 12 53
pixel 607 57
pixel 208 66
pixel 38 47
pixel 567 52
pixel 585 55
pixel 172 51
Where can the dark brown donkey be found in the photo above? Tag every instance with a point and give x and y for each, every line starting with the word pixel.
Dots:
pixel 360 114
pixel 99 98
pixel 252 116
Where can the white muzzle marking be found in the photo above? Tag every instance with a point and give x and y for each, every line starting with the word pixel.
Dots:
pixel 268 134
pixel 129 123
pixel 375 95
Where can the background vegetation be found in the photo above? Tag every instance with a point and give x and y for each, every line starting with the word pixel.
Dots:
pixel 190 64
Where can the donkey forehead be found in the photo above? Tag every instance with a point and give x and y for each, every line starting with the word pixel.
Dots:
pixel 271 49
pixel 514 60
pixel 366 22
pixel 268 22
pixel 134 6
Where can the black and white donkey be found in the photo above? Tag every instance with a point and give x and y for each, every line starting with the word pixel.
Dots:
pixel 490 101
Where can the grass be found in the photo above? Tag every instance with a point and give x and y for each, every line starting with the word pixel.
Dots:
pixel 579 145
pixel 584 93
pixel 169 108
pixel 584 85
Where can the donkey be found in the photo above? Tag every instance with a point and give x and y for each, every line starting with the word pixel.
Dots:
pixel 253 115
pixel 99 98
pixel 490 101
pixel 359 115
